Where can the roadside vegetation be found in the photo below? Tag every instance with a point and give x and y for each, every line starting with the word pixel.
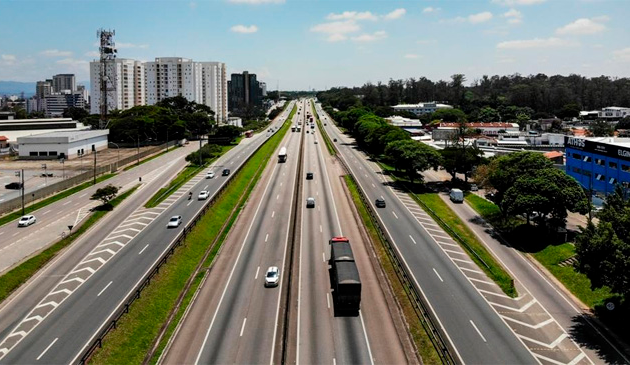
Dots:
pixel 17 276
pixel 137 331
pixel 416 327
pixel 325 136
pixel 40 204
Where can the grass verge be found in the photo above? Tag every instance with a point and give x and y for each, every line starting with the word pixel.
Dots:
pixel 135 334
pixel 40 204
pixel 329 144
pixel 17 276
pixel 449 220
pixel 150 158
pixel 418 333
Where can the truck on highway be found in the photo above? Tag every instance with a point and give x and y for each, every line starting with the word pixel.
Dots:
pixel 345 276
pixel 282 155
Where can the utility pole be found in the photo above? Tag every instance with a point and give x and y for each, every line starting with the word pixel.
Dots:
pixel 45 173
pixel 200 160
pixel 20 174
pixel 94 153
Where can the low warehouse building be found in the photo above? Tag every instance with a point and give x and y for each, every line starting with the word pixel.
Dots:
pixel 68 145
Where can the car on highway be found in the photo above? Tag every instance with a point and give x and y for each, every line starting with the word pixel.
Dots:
pixel 315 141
pixel 203 195
pixel 334 139
pixel 309 176
pixel 14 185
pixel 175 221
pixel 310 202
pixel 210 175
pixel 474 187
pixel 380 203
pixel 272 277
pixel 27 220
pixel 225 172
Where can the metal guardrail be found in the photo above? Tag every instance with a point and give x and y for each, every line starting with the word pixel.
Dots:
pixel 112 322
pixel 419 303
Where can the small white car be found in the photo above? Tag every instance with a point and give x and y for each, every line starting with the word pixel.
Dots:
pixel 27 220
pixel 210 175
pixel 315 141
pixel 175 221
pixel 203 195
pixel 272 278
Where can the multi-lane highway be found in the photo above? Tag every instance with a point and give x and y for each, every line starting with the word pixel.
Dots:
pixel 58 314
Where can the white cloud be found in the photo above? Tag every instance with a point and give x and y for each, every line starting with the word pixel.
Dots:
pixel 581 27
pixel 622 55
pixel 513 16
pixel 92 54
pixel 366 37
pixel 244 29
pixel 480 17
pixel 395 14
pixel 352 15
pixel 411 56
pixel 430 9
pixel 336 37
pixel 56 53
pixel 601 18
pixel 131 45
pixel 340 27
pixel 536 43
pixel 256 2
pixel 506 60
pixel 518 2
pixel 7 60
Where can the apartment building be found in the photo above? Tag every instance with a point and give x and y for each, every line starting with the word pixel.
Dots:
pixel 125 81
pixel 62 82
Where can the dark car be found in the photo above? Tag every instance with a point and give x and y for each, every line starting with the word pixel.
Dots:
pixel 225 172
pixel 380 203
pixel 13 185
pixel 309 176
pixel 335 140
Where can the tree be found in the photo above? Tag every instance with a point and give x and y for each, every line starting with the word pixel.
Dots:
pixel 461 159
pixel 449 115
pixel 601 128
pixel 76 113
pixel 412 156
pixel 488 115
pixel 624 123
pixel 569 111
pixel 105 194
pixel 229 131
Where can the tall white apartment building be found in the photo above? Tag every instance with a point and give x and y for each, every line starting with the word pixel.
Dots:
pixel 147 83
pixel 125 79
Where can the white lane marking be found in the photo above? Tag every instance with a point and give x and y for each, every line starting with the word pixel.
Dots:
pixel 206 187
pixel 317 193
pixel 257 270
pixel 141 251
pixel 438 275
pixel 320 228
pixel 373 185
pixel 15 234
pixel 414 241
pixel 68 202
pixel 328 300
pixel 266 237
pixel 273 213
pixel 366 339
pixel 323 256
pixel 82 195
pixel 105 288
pixel 394 213
pixel 243 326
pixel 47 348
pixel 334 361
pixel 479 332
pixel 189 203
pixel 46 212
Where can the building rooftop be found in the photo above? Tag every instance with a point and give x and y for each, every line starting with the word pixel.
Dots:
pixel 481 125
pixel 616 141
pixel 68 135
pixel 421 105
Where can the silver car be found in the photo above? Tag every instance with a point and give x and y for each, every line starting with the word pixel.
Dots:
pixel 27 220
pixel 175 221
pixel 272 278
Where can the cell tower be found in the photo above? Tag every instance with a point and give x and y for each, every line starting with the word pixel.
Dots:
pixel 108 51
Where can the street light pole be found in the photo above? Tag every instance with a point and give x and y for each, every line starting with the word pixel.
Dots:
pixel 45 173
pixel 21 175
pixel 94 152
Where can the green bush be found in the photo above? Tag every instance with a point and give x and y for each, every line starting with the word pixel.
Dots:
pixel 208 152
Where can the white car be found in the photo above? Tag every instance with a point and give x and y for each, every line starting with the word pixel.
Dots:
pixel 27 220
pixel 203 195
pixel 315 141
pixel 175 221
pixel 210 175
pixel 272 278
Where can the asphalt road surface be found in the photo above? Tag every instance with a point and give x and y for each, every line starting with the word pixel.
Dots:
pixel 56 316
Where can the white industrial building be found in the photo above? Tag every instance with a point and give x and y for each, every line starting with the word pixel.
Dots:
pixel 147 83
pixel 15 128
pixel 66 145
pixel 421 108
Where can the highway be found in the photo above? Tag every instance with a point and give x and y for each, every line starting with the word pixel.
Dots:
pixel 234 318
pixel 477 333
pixel 56 316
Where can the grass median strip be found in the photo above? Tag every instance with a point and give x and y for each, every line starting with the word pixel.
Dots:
pixel 17 276
pixel 418 333
pixel 136 332
pixel 40 204
pixel 477 251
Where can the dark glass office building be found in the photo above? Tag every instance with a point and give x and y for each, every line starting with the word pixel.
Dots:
pixel 243 91
pixel 599 163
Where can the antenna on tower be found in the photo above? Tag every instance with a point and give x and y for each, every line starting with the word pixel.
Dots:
pixel 108 52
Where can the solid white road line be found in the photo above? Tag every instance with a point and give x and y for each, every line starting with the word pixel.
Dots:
pixel 141 251
pixel 15 234
pixel 266 237
pixel 412 240
pixel 479 332
pixel 257 270
pixel 438 275
pixel 320 228
pixel 189 203
pixel 328 299
pixel 81 196
pixel 277 196
pixel 47 348
pixel 243 326
pixel 374 186
pixel 101 292
pixel 323 256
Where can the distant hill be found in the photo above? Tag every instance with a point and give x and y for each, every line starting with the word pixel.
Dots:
pixel 15 88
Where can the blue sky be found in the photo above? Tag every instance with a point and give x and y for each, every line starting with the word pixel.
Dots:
pixel 323 43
